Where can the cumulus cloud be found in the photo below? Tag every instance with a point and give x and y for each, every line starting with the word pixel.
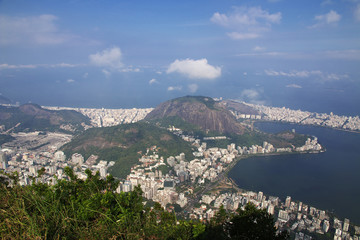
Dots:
pixel 250 93
pixel 70 80
pixel 110 58
pixel 153 81
pixel 193 87
pixel 306 74
pixel 174 88
pixel 330 18
pixel 85 75
pixel 195 69
pixel 246 23
pixel 35 29
pixel 293 86
pixel 252 96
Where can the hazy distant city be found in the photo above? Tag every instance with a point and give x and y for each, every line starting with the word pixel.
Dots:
pixel 111 117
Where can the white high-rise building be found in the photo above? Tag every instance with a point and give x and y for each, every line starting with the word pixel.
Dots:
pixel 287 201
pixel 260 196
pixel 59 156
pixel 326 226
pixel 77 158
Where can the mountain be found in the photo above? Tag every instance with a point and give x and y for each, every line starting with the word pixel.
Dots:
pixel 125 144
pixel 201 112
pixel 202 116
pixel 32 117
pixel 239 107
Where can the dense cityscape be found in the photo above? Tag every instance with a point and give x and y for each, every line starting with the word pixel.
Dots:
pixel 176 180
pixel 302 117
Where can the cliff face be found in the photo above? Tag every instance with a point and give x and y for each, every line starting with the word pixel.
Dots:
pixel 203 112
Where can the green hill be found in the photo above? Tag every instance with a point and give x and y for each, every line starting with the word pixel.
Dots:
pixel 125 144
pixel 32 117
pixel 204 117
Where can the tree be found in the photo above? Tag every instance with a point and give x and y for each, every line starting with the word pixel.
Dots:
pixel 253 223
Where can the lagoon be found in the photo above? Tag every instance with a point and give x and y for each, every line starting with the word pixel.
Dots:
pixel 328 181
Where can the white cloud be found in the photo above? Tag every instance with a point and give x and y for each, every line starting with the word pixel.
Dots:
pixel 289 74
pixel 153 81
pixel 252 96
pixel 293 86
pixel 85 75
pixel 130 69
pixel 331 17
pixel 357 13
pixel 110 58
pixel 106 73
pixel 36 29
pixel 21 66
pixel 193 87
pixel 70 80
pixel 63 65
pixel 33 66
pixel 174 88
pixel 306 74
pixel 242 36
pixel 246 23
pixel 250 93
pixel 195 69
pixel 258 48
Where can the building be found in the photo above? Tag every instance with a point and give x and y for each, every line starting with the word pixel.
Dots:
pixel 77 158
pixel 3 160
pixel 346 225
pixel 59 156
pixel 288 201
pixel 326 226
pixel 283 216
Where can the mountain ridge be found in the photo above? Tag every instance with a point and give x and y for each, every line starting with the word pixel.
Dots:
pixel 32 117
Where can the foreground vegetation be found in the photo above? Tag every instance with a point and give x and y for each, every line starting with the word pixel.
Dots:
pixel 90 209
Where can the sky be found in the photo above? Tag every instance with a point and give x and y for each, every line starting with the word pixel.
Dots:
pixel 122 54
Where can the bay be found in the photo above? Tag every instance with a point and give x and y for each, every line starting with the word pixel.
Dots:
pixel 328 181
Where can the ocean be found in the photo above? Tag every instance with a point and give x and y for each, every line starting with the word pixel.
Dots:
pixel 327 181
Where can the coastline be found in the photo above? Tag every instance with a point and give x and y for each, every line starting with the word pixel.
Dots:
pixel 311 125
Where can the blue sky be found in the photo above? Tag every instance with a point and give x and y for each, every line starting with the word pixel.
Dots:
pixel 140 53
